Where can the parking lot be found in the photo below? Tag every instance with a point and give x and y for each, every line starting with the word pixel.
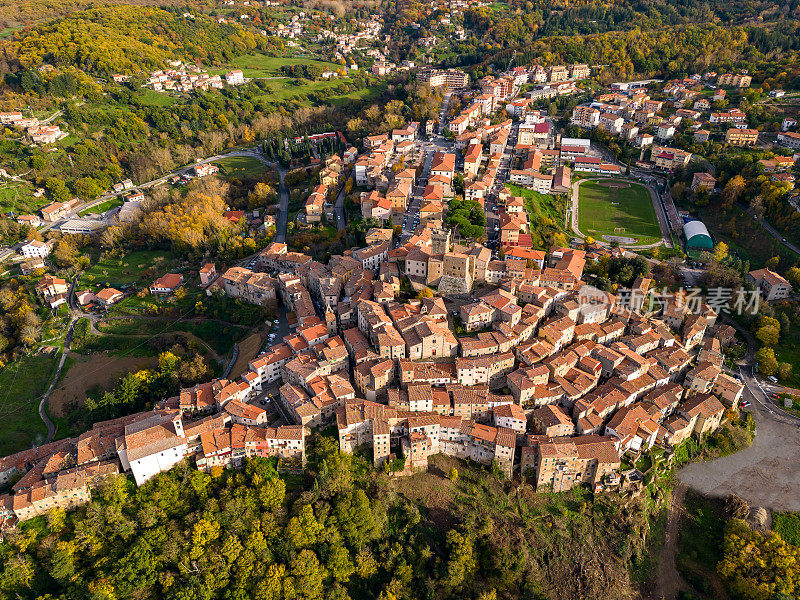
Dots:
pixel 691 275
pixel 765 474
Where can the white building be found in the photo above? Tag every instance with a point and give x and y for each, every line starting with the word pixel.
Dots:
pixel 235 77
pixel 152 445
pixel 82 226
pixel 532 179
pixel 789 139
pixel 35 248
pixel 372 256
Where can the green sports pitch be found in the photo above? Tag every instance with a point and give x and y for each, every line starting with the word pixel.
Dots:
pixel 612 207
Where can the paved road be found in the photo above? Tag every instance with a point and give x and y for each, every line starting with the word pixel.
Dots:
pixel 339 207
pixel 58 113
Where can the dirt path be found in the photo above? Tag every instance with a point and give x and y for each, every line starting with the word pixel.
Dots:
pixel 45 399
pixel 43 402
pixel 669 582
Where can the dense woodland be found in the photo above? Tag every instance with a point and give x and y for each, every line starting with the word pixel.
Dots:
pixel 127 39
pixel 343 531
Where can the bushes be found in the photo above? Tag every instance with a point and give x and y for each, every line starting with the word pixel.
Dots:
pixel 80 334
pixel 787 525
pixel 759 566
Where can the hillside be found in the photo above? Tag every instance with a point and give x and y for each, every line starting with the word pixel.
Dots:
pixel 127 39
pixel 342 531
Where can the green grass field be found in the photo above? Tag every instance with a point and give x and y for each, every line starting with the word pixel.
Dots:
pixel 284 89
pixel 626 211
pixel 242 166
pixel 787 525
pixel 140 268
pixel 279 87
pixel 546 214
pixel 102 207
pixel 10 30
pixel 220 337
pixel 154 98
pixel 18 197
pixel 367 94
pixel 21 385
pixel 260 65
pixel 537 204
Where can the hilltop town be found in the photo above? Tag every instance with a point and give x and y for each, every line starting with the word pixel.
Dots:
pixel 548 379
pixel 461 327
pixel 336 300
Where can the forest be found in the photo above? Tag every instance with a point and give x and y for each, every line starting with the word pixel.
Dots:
pixel 663 37
pixel 127 39
pixel 343 530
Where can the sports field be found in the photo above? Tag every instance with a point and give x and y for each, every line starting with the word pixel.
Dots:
pixel 617 208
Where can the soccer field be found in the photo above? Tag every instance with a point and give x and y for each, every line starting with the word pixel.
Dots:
pixel 625 211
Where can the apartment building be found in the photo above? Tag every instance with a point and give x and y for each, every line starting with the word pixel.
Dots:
pixel 559 464
pixel 734 80
pixel 741 137
pixel 770 285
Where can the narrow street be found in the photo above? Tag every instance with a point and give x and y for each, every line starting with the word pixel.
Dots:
pixel 339 208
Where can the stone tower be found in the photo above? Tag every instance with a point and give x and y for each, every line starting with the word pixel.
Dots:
pixel 440 241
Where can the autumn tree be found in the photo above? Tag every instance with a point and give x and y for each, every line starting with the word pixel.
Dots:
pixel 732 192
pixel 759 566
pixel 765 359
